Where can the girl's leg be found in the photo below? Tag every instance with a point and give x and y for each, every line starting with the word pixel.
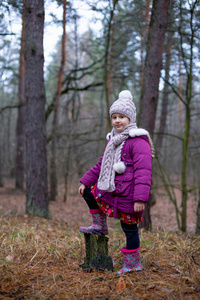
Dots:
pixel 99 225
pixel 131 251
pixel 132 235
pixel 89 198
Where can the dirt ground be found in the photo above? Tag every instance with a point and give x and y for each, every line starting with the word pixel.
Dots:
pixel 75 212
pixel 41 259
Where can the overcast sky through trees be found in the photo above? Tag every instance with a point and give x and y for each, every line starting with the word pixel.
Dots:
pixel 53 32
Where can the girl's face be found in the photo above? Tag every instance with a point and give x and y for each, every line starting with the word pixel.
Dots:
pixel 119 121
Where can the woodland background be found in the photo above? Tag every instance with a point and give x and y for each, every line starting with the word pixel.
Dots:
pixel 53 123
pixel 51 134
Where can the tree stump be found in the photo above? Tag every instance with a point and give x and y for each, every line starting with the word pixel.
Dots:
pixel 96 248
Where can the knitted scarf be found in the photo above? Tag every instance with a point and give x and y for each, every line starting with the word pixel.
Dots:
pixel 112 158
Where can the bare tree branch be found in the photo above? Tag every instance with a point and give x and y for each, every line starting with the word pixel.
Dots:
pixel 84 88
pixel 5 34
pixel 11 107
pixel 170 134
pixel 174 90
pixel 194 260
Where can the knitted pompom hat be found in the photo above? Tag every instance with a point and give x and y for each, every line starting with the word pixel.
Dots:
pixel 125 106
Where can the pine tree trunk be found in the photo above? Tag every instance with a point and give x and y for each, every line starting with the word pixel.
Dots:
pixel 164 110
pixel 36 154
pixel 19 173
pixel 168 47
pixel 111 58
pixel 106 67
pixel 180 94
pixel 184 166
pixel 143 43
pixel 147 14
pixel 67 169
pixel 189 92
pixel 153 66
pixel 1 165
pixel 198 217
pixel 53 176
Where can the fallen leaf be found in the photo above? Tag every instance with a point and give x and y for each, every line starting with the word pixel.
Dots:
pixel 120 285
pixel 9 258
pixel 151 287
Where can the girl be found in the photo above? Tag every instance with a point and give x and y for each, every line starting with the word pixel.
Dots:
pixel 119 184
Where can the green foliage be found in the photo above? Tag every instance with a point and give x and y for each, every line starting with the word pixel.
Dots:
pixel 8 5
pixel 16 4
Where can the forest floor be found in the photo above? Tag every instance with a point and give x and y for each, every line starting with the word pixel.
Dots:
pixel 41 259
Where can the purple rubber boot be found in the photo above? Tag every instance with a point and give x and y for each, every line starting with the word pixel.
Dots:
pixel 99 225
pixel 131 260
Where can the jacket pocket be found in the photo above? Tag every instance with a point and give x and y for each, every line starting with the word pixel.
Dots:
pixel 124 187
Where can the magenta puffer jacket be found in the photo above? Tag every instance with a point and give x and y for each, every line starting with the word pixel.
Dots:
pixel 134 184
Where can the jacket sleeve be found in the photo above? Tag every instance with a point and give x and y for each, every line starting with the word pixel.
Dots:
pixel 92 175
pixel 142 164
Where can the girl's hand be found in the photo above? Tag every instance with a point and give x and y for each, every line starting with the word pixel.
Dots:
pixel 81 189
pixel 139 206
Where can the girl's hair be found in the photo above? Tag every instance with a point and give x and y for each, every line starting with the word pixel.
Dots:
pixel 152 146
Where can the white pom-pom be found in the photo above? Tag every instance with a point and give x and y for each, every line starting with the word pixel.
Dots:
pixel 125 95
pixel 108 136
pixel 119 167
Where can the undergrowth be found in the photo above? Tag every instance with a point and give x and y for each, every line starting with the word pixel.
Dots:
pixel 41 259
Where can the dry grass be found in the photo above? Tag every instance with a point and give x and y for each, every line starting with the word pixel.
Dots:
pixel 40 259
